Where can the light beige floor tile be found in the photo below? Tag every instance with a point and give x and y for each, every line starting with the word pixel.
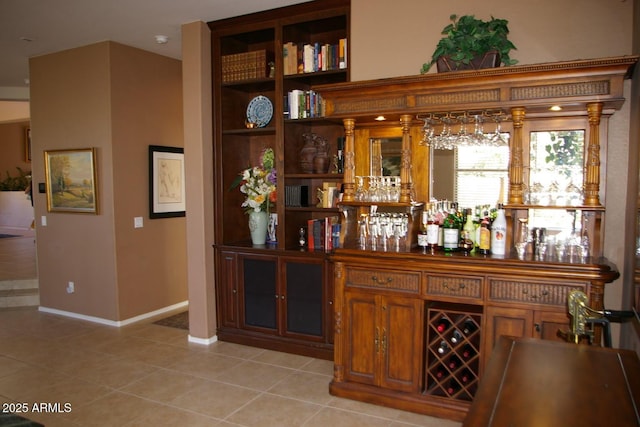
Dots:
pixel 364 408
pixel 423 420
pixel 114 372
pixel 214 399
pixel 279 358
pixel 115 409
pixel 21 382
pixel 234 350
pixel 72 391
pixel 205 365
pixel 319 366
pixel 274 411
pixel 159 333
pixel 339 418
pixel 257 376
pixel 9 365
pixel 166 416
pixel 305 386
pixel 164 385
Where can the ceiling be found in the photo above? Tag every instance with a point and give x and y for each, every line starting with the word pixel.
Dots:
pixel 31 28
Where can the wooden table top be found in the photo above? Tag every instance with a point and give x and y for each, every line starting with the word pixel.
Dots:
pixel 530 382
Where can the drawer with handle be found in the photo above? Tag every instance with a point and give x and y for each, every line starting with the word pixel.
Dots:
pixel 383 279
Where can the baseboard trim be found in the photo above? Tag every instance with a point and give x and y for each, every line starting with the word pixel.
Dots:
pixel 203 341
pixel 115 323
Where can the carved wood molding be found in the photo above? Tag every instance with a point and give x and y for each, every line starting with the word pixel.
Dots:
pixel 534 87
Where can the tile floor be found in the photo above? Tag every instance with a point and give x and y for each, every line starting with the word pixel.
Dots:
pixel 150 375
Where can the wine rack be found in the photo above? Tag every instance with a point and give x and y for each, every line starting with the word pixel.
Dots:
pixel 453 352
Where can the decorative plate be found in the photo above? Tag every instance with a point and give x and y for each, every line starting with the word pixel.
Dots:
pixel 260 111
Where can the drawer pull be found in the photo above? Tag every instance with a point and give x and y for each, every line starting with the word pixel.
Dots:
pixel 542 294
pixel 381 282
pixel 453 289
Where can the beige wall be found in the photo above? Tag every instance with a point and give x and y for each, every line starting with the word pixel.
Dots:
pixel 119 100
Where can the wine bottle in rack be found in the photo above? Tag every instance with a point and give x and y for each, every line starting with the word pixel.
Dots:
pixel 454 362
pixel 443 347
pixel 440 373
pixel 452 387
pixel 468 327
pixel 442 325
pixel 456 337
pixel 466 376
pixel 468 352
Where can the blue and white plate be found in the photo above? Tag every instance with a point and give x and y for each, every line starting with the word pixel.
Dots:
pixel 260 111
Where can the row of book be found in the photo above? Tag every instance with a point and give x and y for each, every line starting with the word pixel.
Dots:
pixel 245 66
pixel 303 104
pixel 313 57
pixel 324 233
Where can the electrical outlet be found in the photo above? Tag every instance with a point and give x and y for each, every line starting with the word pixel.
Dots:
pixel 71 287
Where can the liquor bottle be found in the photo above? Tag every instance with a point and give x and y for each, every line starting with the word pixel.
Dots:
pixel 484 239
pixel 443 347
pixel 456 337
pixel 468 327
pixel 468 231
pixel 451 231
pixel 340 155
pixel 499 233
pixel 423 241
pixel 442 325
pixel 433 231
pixel 440 373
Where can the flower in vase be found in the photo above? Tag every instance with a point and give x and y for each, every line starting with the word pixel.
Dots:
pixel 259 184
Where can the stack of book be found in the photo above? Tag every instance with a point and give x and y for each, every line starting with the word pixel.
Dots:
pixel 303 104
pixel 323 234
pixel 245 66
pixel 312 57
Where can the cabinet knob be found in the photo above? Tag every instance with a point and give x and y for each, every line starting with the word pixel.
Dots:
pixel 454 288
pixel 235 291
pixel 282 297
pixel 537 326
pixel 381 282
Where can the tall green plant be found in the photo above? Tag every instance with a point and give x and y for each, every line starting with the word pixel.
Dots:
pixel 16 183
pixel 468 37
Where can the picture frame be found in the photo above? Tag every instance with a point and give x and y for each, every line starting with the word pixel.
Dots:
pixel 166 182
pixel 71 180
pixel 27 144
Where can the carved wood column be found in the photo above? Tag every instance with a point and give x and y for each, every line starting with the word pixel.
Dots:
pixel 591 187
pixel 405 163
pixel 349 161
pixel 516 166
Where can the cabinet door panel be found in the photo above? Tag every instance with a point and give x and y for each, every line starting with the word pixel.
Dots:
pixel 401 343
pixel 259 281
pixel 363 337
pixel 228 290
pixel 304 298
pixel 548 323
pixel 513 322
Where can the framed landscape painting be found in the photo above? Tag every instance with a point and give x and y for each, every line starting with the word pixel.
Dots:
pixel 71 182
pixel 166 182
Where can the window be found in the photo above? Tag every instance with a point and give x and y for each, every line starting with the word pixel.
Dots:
pixel 481 175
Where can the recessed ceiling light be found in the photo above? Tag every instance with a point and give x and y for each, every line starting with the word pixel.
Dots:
pixel 381 118
pixel 555 108
pixel 160 39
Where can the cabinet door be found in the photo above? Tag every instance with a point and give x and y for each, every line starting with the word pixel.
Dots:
pixel 303 298
pixel 546 325
pixel 513 322
pixel 258 281
pixel 362 345
pixel 228 290
pixel 401 343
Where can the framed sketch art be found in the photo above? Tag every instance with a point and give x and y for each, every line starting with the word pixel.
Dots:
pixel 70 180
pixel 166 182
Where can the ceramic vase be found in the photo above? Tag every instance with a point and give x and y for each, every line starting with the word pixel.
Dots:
pixel 258 222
